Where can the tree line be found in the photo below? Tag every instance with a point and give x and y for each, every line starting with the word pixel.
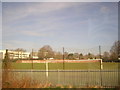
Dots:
pixel 46 52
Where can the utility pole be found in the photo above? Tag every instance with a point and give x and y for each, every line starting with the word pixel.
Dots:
pixel 100 51
pixel 101 66
pixel 118 50
pixel 63 59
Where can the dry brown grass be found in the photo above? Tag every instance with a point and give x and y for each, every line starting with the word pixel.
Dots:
pixel 27 82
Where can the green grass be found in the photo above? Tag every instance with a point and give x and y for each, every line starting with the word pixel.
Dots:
pixel 68 66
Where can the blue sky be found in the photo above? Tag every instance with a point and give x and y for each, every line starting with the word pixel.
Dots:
pixel 72 25
pixel 0 25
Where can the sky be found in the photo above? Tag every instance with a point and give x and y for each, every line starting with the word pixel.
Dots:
pixel 59 24
pixel 0 25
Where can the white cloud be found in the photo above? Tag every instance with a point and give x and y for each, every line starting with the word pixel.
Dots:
pixel 12 14
pixel 60 0
pixel 37 34
pixel 104 9
pixel 13 44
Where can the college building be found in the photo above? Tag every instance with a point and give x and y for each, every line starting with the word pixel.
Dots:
pixel 15 54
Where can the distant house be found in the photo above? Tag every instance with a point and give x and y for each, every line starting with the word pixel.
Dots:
pixel 50 58
pixel 34 55
pixel 15 54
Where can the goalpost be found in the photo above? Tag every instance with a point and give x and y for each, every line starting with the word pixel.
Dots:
pixel 101 64
pixel 99 60
pixel 46 68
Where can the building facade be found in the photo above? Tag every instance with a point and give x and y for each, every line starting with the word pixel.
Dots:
pixel 15 54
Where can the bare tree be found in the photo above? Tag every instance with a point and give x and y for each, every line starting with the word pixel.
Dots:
pixel 71 56
pixel 45 52
pixel 81 56
pixel 58 55
pixel 20 50
pixel 115 50
pixel 106 56
pixel 90 56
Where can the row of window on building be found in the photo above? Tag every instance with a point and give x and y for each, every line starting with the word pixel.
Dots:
pixel 18 54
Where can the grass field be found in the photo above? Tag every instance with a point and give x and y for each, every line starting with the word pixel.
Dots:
pixel 67 66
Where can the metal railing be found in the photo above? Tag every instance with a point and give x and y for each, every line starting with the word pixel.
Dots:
pixel 76 78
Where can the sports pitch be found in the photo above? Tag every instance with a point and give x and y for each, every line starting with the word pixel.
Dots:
pixel 66 66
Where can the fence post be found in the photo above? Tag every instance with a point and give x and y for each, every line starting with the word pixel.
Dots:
pixel 88 78
pixel 101 67
pixel 58 76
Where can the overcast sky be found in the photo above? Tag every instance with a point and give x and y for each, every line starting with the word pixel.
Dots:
pixel 72 25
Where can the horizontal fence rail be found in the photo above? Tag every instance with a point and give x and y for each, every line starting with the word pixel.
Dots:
pixel 63 70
